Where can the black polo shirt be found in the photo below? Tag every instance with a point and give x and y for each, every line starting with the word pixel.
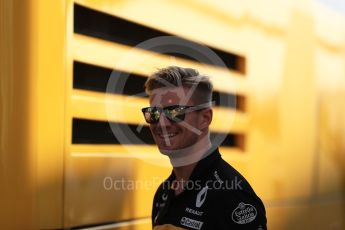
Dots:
pixel 215 197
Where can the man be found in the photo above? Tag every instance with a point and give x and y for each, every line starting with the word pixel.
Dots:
pixel 203 191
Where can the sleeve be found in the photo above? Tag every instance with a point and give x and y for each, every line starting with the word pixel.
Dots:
pixel 242 210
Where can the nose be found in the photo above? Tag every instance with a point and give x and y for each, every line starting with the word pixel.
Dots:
pixel 164 121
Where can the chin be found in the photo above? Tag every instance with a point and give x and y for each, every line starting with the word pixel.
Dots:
pixel 162 144
pixel 172 147
pixel 169 148
pixel 168 151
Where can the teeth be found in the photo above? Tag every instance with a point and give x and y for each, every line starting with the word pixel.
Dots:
pixel 167 135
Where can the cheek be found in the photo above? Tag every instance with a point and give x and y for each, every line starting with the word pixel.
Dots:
pixel 195 120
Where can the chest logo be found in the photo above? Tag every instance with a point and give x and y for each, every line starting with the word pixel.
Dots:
pixel 244 213
pixel 194 224
pixel 201 197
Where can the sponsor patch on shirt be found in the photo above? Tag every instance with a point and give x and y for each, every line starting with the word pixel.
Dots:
pixel 201 197
pixel 244 213
pixel 194 224
pixel 220 181
pixel 195 212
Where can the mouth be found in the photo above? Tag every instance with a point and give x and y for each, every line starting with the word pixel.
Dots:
pixel 167 135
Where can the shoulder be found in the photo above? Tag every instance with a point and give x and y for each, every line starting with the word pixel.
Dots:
pixel 160 198
pixel 233 180
pixel 237 199
pixel 161 189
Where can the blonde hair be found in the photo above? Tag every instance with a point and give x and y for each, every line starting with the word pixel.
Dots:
pixel 175 76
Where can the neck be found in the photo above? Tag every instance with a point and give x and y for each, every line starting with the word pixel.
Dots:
pixel 184 160
pixel 183 173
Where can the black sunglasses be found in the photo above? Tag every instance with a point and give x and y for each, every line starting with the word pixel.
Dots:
pixel 175 113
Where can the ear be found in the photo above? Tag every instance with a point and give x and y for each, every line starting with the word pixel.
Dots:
pixel 206 118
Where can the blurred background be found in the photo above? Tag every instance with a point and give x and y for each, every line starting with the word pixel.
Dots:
pixel 61 160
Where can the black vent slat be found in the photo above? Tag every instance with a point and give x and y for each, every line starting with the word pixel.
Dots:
pixel 111 28
pixel 99 132
pixel 95 78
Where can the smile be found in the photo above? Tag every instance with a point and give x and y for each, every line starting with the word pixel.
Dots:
pixel 167 135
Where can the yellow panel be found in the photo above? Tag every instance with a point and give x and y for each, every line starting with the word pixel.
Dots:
pixel 227 120
pixel 147 153
pixel 17 157
pixel 124 58
pixel 282 131
pixel 298 109
pixel 68 170
pixel 126 150
pixel 32 113
pixel 120 108
pixel 92 185
pixel 138 224
pixel 331 109
pixel 118 188
pixel 301 215
pixel 50 109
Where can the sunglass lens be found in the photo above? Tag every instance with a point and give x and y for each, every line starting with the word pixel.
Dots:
pixel 175 114
pixel 151 115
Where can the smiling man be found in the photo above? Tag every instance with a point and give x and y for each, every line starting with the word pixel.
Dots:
pixel 203 191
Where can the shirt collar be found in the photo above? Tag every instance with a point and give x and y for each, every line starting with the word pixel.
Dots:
pixel 202 167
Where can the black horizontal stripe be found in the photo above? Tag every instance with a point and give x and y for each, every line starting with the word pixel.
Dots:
pixel 108 27
pixel 99 132
pixel 96 78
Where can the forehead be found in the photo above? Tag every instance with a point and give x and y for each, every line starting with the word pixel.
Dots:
pixel 171 96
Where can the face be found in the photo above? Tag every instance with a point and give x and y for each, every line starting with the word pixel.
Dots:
pixel 170 135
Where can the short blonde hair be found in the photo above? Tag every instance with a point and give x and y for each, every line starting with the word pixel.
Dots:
pixel 175 76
